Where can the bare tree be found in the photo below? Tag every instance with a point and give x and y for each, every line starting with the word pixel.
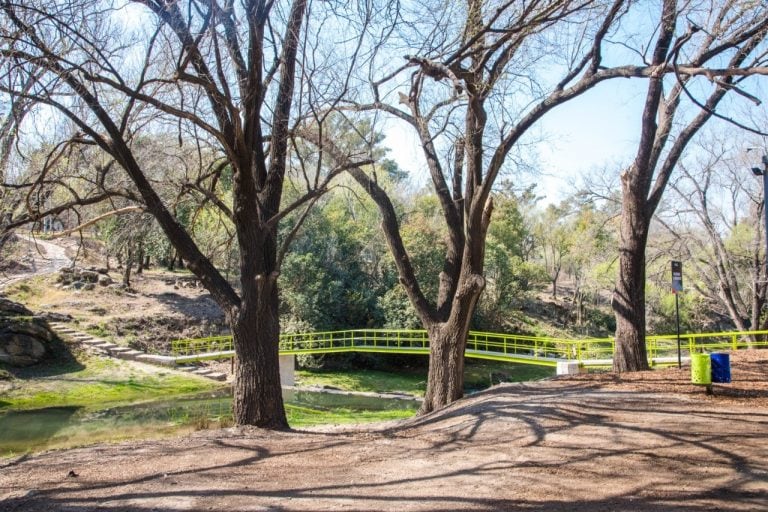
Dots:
pixel 717 222
pixel 460 101
pixel 556 239
pixel 471 95
pixel 235 77
pixel 728 31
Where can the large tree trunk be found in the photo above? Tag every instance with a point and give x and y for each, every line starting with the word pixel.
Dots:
pixel 258 398
pixel 629 294
pixel 445 380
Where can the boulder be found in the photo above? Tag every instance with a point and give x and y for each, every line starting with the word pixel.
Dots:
pixel 88 287
pixel 33 327
pixel 10 308
pixel 24 339
pixel 21 350
pixel 89 276
pixel 52 316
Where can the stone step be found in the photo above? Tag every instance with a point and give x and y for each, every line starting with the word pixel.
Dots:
pixel 67 332
pixel 203 372
pixel 118 350
pixel 130 354
pixel 156 359
pixel 93 341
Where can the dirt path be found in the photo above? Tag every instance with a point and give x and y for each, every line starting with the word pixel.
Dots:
pixel 43 257
pixel 591 443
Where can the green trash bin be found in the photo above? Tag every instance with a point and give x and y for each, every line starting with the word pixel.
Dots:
pixel 701 369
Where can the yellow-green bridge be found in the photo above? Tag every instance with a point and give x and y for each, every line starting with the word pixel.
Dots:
pixel 567 355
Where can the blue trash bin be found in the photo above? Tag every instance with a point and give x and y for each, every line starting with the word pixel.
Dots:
pixel 721 368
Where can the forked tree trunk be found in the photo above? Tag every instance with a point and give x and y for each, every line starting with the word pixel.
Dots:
pixel 258 398
pixel 448 340
pixel 629 295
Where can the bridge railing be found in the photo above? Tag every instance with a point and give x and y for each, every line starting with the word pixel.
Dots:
pixel 666 345
pixel 391 340
pixel 190 347
pixel 482 343
pixel 537 346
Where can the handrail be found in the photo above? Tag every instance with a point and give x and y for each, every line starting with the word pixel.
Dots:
pixel 507 347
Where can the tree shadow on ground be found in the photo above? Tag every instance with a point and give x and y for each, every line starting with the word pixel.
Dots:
pixel 542 447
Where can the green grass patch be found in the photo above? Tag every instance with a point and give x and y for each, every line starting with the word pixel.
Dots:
pixel 304 417
pixel 478 374
pixel 412 382
pixel 95 381
pixel 26 290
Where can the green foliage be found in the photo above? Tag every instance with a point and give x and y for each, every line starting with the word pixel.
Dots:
pixel 510 275
pixel 661 305
pixel 397 310
pixel 325 283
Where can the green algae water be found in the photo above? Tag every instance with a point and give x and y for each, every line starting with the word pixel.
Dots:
pixel 65 427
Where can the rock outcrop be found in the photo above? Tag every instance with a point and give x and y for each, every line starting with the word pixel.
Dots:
pixel 83 279
pixel 24 339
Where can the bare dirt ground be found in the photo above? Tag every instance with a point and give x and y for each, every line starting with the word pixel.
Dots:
pixel 599 442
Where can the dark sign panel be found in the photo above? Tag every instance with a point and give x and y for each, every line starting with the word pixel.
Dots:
pixel 677 276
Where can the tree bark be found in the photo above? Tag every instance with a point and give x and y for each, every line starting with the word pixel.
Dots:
pixel 128 264
pixel 445 380
pixel 629 295
pixel 140 259
pixel 448 340
pixel 258 398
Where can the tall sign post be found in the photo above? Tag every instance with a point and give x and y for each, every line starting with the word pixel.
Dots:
pixel 677 287
pixel 764 173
